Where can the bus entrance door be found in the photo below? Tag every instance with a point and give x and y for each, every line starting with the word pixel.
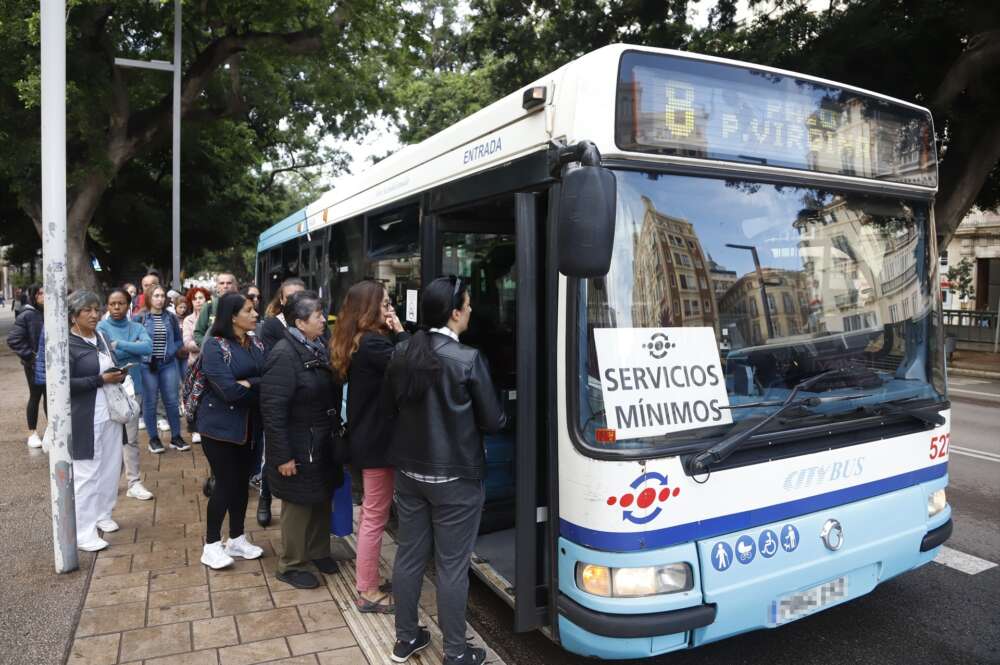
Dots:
pixel 492 247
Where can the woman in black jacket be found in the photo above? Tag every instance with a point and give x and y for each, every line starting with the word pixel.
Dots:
pixel 444 401
pixel 299 401
pixel 23 340
pixel 363 339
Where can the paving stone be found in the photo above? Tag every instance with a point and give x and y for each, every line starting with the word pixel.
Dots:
pixel 124 549
pixel 175 613
pixel 346 656
pixel 123 535
pixel 308 659
pixel 160 532
pixel 239 601
pixel 157 641
pixel 115 597
pixel 220 632
pixel 159 560
pixel 254 652
pixel 105 566
pixel 160 580
pixel 321 640
pixel 119 582
pixel 320 616
pixel 300 596
pixel 181 596
pixel 100 650
pixel 208 657
pixel 111 619
pixel 269 623
pixel 240 581
pixel 239 566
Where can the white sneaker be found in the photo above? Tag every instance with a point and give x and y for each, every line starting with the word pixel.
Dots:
pixel 138 491
pixel 142 423
pixel 95 545
pixel 108 525
pixel 213 556
pixel 47 440
pixel 195 437
pixel 162 425
pixel 34 441
pixel 243 549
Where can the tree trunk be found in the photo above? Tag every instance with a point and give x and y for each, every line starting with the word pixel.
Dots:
pixel 79 270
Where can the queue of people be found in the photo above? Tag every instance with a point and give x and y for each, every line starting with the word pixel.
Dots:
pixel 265 396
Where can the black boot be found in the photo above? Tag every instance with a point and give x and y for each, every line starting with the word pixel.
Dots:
pixel 264 511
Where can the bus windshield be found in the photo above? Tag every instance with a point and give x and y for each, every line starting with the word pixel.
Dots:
pixel 791 281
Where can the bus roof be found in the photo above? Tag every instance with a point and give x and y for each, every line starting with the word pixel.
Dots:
pixel 504 131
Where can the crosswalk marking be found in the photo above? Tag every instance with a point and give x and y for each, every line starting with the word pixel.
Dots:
pixel 972 452
pixel 962 562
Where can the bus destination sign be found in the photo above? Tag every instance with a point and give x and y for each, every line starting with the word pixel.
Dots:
pixel 707 110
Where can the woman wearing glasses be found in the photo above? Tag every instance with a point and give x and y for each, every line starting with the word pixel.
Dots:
pixel 366 332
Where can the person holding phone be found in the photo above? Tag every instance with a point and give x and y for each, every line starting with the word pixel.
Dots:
pixel 130 342
pixel 96 444
pixel 363 339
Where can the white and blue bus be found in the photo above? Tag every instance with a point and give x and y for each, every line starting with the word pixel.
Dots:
pixel 708 294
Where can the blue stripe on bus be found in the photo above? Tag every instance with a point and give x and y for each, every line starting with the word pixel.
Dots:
pixel 717 526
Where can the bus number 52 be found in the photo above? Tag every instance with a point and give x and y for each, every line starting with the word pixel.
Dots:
pixel 939 446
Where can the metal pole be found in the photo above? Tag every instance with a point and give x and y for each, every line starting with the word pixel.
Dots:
pixel 763 290
pixel 176 193
pixel 53 33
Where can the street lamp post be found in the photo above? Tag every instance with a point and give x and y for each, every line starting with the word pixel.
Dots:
pixel 763 290
pixel 175 198
pixel 53 55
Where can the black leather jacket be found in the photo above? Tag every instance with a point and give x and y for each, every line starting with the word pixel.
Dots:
pixel 442 434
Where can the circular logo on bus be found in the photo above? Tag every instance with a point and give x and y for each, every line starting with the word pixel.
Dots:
pixel 640 507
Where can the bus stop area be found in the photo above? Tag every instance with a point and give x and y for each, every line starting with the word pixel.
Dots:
pixel 147 598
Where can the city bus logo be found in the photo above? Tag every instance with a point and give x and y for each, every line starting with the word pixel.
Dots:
pixel 658 345
pixel 644 499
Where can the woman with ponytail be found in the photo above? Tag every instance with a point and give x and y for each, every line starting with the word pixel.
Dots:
pixel 363 339
pixel 443 400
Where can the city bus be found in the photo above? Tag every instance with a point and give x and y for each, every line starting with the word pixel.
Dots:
pixel 707 291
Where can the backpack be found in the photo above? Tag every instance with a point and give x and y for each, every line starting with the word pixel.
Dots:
pixel 196 383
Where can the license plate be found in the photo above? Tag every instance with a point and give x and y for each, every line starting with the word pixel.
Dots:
pixel 797 605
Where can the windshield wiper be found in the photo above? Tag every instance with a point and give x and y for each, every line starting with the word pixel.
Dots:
pixel 702 461
pixel 927 413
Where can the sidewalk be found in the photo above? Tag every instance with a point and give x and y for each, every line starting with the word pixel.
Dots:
pixel 148 599
pixel 975 363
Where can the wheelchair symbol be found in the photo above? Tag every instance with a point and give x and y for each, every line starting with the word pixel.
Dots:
pixel 767 544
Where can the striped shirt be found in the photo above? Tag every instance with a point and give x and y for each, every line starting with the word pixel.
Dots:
pixel 420 477
pixel 159 335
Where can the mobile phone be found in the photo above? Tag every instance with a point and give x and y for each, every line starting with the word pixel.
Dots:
pixel 126 367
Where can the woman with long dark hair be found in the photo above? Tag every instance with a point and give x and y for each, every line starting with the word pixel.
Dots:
pixel 228 419
pixel 363 339
pixel 444 401
pixel 23 340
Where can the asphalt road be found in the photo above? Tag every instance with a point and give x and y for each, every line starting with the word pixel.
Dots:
pixel 935 615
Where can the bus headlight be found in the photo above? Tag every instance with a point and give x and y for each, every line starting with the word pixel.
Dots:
pixel 936 503
pixel 634 582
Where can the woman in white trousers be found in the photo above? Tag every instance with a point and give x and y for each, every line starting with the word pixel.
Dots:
pixel 96 445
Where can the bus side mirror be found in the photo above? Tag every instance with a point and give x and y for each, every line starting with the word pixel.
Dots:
pixel 586 233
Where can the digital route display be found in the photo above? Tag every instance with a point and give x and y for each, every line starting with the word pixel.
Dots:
pixel 691 108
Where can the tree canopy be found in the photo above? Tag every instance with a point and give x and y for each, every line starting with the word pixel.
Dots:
pixel 263 84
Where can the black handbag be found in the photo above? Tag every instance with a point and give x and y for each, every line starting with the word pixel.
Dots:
pixel 338 438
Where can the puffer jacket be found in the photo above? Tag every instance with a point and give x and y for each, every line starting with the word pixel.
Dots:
pixel 23 337
pixel 299 402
